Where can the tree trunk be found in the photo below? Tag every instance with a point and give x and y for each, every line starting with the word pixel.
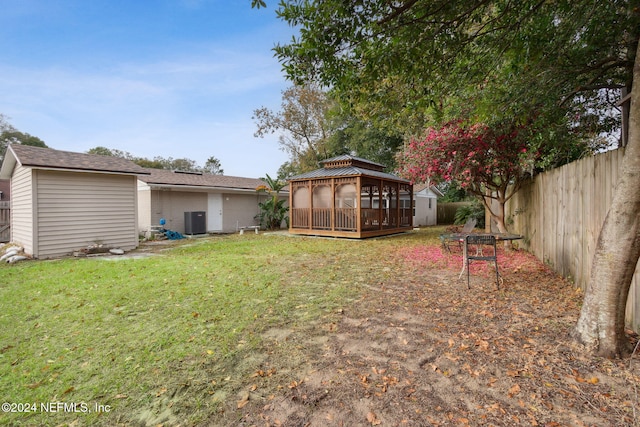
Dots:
pixel 499 216
pixel 602 319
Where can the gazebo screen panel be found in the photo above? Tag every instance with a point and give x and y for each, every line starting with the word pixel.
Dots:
pixel 322 201
pixel 300 205
pixel 346 205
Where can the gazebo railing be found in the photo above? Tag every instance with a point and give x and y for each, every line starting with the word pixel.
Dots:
pixel 370 218
pixel 321 218
pixel 299 217
pixel 346 219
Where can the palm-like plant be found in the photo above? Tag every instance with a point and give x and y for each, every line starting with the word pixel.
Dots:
pixel 273 210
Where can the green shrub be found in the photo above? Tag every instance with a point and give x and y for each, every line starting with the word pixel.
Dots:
pixel 474 210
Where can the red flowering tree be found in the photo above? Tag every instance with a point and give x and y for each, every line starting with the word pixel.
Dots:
pixel 486 162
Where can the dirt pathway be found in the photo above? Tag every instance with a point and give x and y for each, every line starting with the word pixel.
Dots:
pixel 419 349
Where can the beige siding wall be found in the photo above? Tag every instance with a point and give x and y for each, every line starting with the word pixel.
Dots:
pixel 171 205
pixel 239 210
pixel 77 209
pixel 22 208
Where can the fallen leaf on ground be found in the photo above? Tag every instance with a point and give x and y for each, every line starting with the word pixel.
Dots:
pixel 373 419
pixel 515 389
pixel 243 401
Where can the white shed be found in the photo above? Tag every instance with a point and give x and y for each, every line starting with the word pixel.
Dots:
pixel 426 204
pixel 63 201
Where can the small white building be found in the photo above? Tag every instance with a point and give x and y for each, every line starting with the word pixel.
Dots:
pixel 426 204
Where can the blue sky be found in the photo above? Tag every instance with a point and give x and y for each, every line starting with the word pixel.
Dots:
pixel 170 78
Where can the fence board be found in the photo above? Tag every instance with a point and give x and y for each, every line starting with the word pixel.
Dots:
pixel 447 211
pixel 5 221
pixel 561 212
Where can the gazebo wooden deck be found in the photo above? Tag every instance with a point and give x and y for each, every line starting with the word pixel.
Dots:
pixel 350 197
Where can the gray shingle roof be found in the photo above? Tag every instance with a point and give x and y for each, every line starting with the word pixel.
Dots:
pixel 167 177
pixel 49 158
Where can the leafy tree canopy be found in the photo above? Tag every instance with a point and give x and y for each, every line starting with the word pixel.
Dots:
pixel 487 163
pixel 302 123
pixel 352 135
pixel 10 135
pixel 313 127
pixel 212 165
pixel 414 63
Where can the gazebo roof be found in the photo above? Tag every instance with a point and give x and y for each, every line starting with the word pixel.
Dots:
pixel 347 165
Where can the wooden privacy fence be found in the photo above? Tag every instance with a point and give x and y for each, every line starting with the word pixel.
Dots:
pixel 561 212
pixel 5 221
pixel 446 212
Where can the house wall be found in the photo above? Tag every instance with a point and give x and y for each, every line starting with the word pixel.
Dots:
pixel 171 205
pixel 22 208
pixel 76 209
pixel 426 209
pixel 239 210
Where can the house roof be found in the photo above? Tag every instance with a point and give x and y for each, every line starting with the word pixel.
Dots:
pixel 189 179
pixel 48 158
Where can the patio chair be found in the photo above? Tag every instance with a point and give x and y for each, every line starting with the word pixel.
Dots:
pixel 459 237
pixel 480 240
pixel 469 225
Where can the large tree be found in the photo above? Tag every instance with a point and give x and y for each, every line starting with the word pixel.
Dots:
pixel 556 62
pixel 313 127
pixel 302 123
pixel 602 319
pixel 213 166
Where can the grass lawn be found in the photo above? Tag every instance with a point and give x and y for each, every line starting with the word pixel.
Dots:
pixel 168 338
pixel 275 330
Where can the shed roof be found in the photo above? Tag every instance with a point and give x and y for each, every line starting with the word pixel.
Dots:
pixel 422 186
pixel 178 178
pixel 48 158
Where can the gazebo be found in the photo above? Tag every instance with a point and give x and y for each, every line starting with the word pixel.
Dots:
pixel 350 197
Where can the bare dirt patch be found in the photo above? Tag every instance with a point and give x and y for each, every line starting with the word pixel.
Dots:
pixel 420 349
